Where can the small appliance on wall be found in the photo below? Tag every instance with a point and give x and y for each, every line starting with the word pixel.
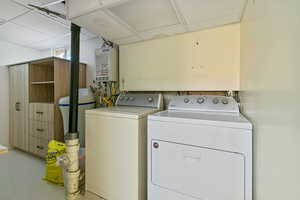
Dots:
pixel 107 64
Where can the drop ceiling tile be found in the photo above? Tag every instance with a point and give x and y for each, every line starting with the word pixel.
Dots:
pixel 163 32
pixel 41 23
pixel 9 9
pixel 127 40
pixel 57 42
pixel 63 41
pixel 234 18
pixel 16 34
pixel 87 33
pixel 76 8
pixel 196 12
pixel 26 2
pixel 2 21
pixel 145 15
pixel 60 8
pixel 99 23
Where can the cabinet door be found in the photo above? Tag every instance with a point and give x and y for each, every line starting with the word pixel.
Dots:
pixel 19 106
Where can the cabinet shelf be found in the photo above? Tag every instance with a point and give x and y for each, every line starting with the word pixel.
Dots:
pixel 41 82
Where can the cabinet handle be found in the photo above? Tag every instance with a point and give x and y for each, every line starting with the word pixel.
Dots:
pixel 18 106
pixel 40 147
pixel 39 112
pixel 40 130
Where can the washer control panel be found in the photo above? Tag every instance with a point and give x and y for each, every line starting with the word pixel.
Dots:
pixel 154 100
pixel 204 103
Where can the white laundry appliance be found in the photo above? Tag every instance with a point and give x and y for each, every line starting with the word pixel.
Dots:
pixel 200 149
pixel 116 147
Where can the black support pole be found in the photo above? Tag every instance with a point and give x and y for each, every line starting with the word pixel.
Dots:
pixel 74 81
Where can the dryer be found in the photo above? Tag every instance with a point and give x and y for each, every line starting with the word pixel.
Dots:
pixel 116 147
pixel 200 149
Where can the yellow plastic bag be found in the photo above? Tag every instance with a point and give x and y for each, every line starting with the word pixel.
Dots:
pixel 54 173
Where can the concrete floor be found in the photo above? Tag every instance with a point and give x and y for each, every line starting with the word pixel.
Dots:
pixel 21 179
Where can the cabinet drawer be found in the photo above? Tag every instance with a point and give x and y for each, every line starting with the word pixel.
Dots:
pixel 41 129
pixel 41 111
pixel 38 146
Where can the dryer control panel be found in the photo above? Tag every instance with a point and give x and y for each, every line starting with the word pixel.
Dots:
pixel 152 100
pixel 204 103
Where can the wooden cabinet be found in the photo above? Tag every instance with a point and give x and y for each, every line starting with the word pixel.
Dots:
pixel 41 127
pixel 18 76
pixel 36 88
pixel 207 60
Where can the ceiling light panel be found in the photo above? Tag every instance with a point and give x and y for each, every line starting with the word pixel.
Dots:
pixel 144 15
pixel 100 23
pixel 41 23
pixel 19 35
pixel 197 12
pixel 9 9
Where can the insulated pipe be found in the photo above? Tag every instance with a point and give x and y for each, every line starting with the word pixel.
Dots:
pixel 72 172
pixel 74 81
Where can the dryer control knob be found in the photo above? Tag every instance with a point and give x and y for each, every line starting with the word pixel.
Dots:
pixel 127 98
pixel 186 100
pixel 155 145
pixel 150 99
pixel 121 98
pixel 215 101
pixel 225 101
pixel 200 100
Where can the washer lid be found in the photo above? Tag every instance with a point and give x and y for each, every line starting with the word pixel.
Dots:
pixel 123 112
pixel 231 120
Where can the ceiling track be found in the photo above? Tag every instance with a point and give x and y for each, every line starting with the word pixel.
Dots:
pixel 179 15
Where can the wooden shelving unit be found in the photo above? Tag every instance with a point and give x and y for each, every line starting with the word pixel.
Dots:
pixel 47 80
pixel 35 89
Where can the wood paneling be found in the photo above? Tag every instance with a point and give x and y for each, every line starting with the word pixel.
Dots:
pixel 19 106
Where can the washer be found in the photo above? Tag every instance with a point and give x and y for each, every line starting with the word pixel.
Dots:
pixel 200 149
pixel 116 147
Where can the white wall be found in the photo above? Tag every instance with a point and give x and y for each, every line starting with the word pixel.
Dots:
pixel 87 55
pixel 10 54
pixel 270 82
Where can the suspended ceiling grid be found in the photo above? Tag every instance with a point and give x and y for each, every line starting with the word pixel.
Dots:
pixel 21 25
pixel 127 21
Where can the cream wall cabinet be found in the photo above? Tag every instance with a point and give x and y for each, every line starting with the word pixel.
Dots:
pixel 207 60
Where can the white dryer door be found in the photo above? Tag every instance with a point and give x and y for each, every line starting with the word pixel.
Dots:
pixel 197 172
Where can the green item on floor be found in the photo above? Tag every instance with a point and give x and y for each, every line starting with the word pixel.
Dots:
pixel 54 173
